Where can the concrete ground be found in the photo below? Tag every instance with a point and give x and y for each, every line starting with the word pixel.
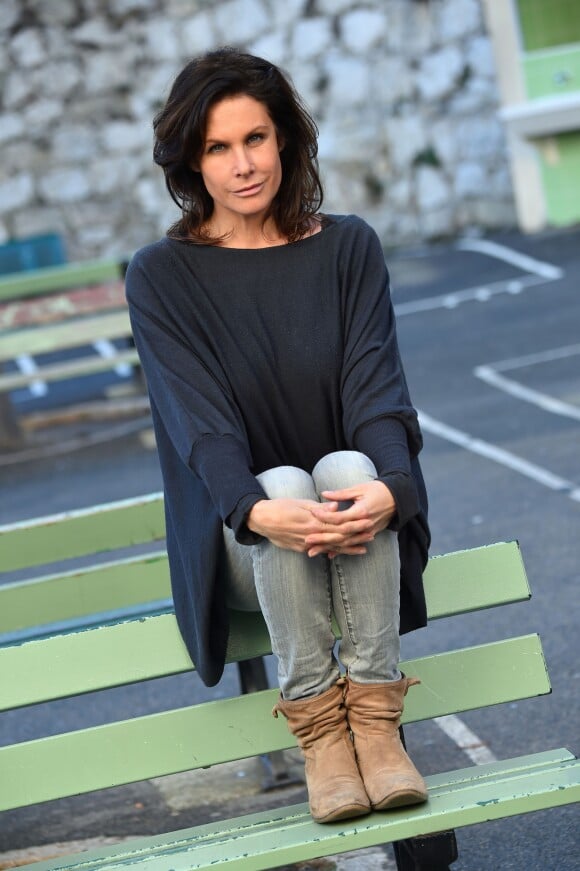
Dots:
pixel 490 337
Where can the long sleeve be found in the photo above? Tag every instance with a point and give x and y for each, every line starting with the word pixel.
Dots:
pixel 192 398
pixel 379 419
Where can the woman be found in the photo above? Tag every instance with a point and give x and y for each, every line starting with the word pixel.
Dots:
pixel 285 431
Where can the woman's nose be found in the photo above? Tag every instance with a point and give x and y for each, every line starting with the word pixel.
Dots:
pixel 243 163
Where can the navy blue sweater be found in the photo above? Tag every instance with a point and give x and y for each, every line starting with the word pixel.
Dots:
pixel 256 358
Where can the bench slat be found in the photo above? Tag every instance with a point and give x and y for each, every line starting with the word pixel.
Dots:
pixel 229 729
pixel 68 664
pixel 275 837
pixel 49 278
pixel 122 584
pixel 82 331
pixel 271 839
pixel 70 369
pixel 454 583
pixel 100 529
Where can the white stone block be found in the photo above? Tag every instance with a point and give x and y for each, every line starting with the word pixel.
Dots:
pixel 11 126
pixel 17 90
pixel 95 32
pixel 362 29
pixel 155 83
pixel 334 7
pixel 437 223
pixel 60 78
pixel 42 114
pixel 197 34
pixel 11 11
pixel 432 189
pixel 241 21
pixel 392 80
pixel 162 41
pixel 108 175
pixel 73 143
pixel 439 72
pixel 27 49
pixel 123 7
pixel 457 18
pixel 480 57
pixel 126 135
pixel 64 186
pixel 406 137
pixel 480 138
pixel 272 46
pixel 285 12
pixel 470 180
pixel 16 192
pixel 444 139
pixel 311 37
pixel 107 70
pixel 400 193
pixel 51 14
pixel 349 81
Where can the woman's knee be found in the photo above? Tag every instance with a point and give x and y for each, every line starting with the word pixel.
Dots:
pixel 343 469
pixel 287 482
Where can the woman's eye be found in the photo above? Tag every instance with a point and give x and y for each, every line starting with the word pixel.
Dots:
pixel 213 149
pixel 256 137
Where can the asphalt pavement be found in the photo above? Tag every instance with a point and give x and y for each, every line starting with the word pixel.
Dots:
pixel 490 336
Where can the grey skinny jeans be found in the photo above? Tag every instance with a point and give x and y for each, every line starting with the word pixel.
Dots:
pixel 298 594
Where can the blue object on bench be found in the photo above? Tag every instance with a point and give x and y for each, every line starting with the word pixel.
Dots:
pixel 32 252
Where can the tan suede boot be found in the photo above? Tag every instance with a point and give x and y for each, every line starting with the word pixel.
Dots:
pixel 374 715
pixel 335 788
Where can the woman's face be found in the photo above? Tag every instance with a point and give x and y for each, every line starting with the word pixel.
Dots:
pixel 240 161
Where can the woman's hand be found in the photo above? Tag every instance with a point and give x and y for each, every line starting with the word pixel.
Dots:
pixel 287 523
pixel 312 527
pixel 347 531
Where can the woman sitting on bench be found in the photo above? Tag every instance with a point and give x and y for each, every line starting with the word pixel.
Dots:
pixel 286 436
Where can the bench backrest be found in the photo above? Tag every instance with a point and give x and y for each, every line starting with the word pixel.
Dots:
pixel 130 651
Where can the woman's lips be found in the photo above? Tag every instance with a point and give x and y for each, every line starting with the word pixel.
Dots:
pixel 250 190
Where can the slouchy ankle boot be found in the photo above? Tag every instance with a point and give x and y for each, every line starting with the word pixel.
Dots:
pixel 374 715
pixel 335 788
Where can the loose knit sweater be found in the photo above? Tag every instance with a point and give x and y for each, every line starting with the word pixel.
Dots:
pixel 256 358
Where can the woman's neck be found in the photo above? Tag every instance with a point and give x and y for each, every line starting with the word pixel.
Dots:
pixel 251 235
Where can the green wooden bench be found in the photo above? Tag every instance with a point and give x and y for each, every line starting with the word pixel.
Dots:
pixel 66 322
pixel 109 654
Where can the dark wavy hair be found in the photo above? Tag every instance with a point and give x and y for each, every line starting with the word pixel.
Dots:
pixel 181 125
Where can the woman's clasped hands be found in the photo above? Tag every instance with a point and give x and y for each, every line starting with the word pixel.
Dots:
pixel 311 527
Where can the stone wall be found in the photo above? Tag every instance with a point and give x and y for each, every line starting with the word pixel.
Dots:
pixel 403 91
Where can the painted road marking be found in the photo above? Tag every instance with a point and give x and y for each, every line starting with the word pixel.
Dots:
pixel 27 366
pixel 465 739
pixel 509 255
pixel 106 349
pixel 500 456
pixel 481 293
pixel 490 373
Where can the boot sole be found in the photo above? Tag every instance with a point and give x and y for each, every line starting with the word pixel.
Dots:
pixel 346 813
pixel 401 799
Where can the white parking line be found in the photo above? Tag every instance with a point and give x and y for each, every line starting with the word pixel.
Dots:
pixel 27 365
pixel 106 349
pixel 465 739
pixel 499 455
pixel 509 255
pixel 490 374
pixel 481 293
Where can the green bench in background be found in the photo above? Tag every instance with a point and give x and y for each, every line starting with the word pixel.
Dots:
pixel 61 327
pixel 87 658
